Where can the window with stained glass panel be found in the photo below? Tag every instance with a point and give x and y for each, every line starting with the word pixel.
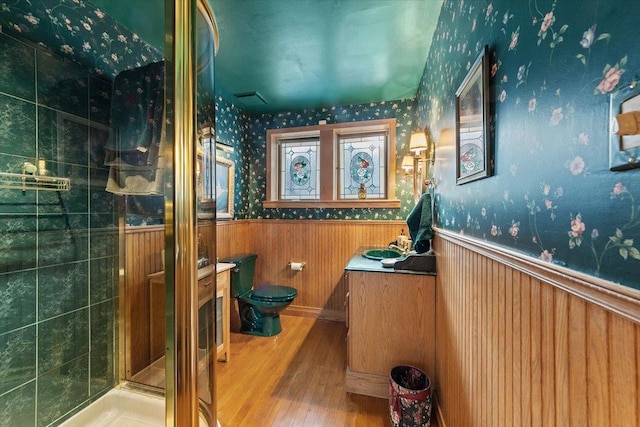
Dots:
pixel 362 165
pixel 299 169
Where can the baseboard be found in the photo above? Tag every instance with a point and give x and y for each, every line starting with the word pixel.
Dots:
pixel 367 384
pixel 315 313
pixel 438 411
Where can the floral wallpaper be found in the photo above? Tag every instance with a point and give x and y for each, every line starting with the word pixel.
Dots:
pixel 553 68
pixel 77 30
pixel 254 166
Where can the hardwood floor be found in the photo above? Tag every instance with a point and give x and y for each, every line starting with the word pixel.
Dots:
pixel 293 379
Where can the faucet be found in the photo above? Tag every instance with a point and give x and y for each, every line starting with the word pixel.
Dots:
pixel 403 251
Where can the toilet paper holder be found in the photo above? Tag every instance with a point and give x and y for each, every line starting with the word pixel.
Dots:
pixel 297 266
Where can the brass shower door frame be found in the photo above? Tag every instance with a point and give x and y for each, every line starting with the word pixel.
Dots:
pixel 181 275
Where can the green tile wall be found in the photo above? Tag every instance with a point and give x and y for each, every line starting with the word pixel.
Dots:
pixel 58 251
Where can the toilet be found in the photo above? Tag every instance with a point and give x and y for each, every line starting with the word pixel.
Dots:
pixel 260 308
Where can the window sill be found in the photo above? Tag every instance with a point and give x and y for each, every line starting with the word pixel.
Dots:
pixel 317 204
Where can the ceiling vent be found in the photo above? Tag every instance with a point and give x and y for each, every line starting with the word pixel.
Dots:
pixel 251 99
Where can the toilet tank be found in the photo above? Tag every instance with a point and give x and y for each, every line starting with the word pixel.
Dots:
pixel 242 274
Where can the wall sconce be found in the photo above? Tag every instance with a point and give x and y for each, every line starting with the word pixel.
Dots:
pixel 423 149
pixel 407 164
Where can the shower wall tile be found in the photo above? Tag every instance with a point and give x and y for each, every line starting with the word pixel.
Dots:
pixel 18 361
pixel 58 251
pixel 103 241
pixel 62 389
pixel 74 201
pixel 18 296
pixel 17 243
pixel 62 288
pixel 102 344
pixel 18 407
pixel 17 68
pixel 99 99
pixel 98 137
pixel 100 200
pixel 62 339
pixel 102 280
pixel 17 128
pixel 62 137
pixel 62 239
pixel 62 85
pixel 15 201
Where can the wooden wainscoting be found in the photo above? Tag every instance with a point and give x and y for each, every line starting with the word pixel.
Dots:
pixel 325 247
pixel 142 256
pixel 518 344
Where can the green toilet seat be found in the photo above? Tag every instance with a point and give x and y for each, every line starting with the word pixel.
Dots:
pixel 274 293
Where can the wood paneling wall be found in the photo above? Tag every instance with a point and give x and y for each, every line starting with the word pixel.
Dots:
pixel 325 246
pixel 518 348
pixel 142 256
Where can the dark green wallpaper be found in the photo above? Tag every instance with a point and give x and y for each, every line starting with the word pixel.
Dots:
pixel 554 64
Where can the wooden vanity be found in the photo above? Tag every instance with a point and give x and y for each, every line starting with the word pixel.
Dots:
pixel 206 297
pixel 390 321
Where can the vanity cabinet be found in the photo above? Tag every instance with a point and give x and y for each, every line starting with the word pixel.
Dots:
pixel 391 321
pixel 208 338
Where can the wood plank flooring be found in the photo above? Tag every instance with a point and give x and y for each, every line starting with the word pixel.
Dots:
pixel 293 379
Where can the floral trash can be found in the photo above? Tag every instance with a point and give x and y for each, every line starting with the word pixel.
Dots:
pixel 409 397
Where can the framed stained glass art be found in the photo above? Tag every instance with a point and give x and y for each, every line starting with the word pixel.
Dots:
pixel 362 167
pixel 300 169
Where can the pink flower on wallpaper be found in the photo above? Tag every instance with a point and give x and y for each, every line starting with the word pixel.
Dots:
pixel 32 19
pixel 576 166
pixel 583 138
pixel 503 96
pixel 546 256
pixel 489 10
pixel 577 226
pixel 556 116
pixel 547 22
pixel 99 13
pixel 610 80
pixel 618 189
pixel 548 203
pixel 514 40
pixel 546 189
pixel 494 230
pixel 514 229
pixel 532 105
pixel 66 48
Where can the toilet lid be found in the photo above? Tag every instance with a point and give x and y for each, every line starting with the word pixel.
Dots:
pixel 274 293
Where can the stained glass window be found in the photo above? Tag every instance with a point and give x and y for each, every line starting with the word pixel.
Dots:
pixel 362 165
pixel 299 169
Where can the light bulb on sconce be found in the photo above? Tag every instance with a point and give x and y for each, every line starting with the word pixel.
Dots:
pixel 407 164
pixel 418 142
pixel 423 149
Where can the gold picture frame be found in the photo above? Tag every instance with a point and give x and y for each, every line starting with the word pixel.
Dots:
pixel 473 147
pixel 224 187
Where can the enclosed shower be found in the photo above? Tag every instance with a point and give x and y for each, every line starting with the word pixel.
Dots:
pixel 93 121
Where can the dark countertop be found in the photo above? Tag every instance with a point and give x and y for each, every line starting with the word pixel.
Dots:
pixel 360 263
